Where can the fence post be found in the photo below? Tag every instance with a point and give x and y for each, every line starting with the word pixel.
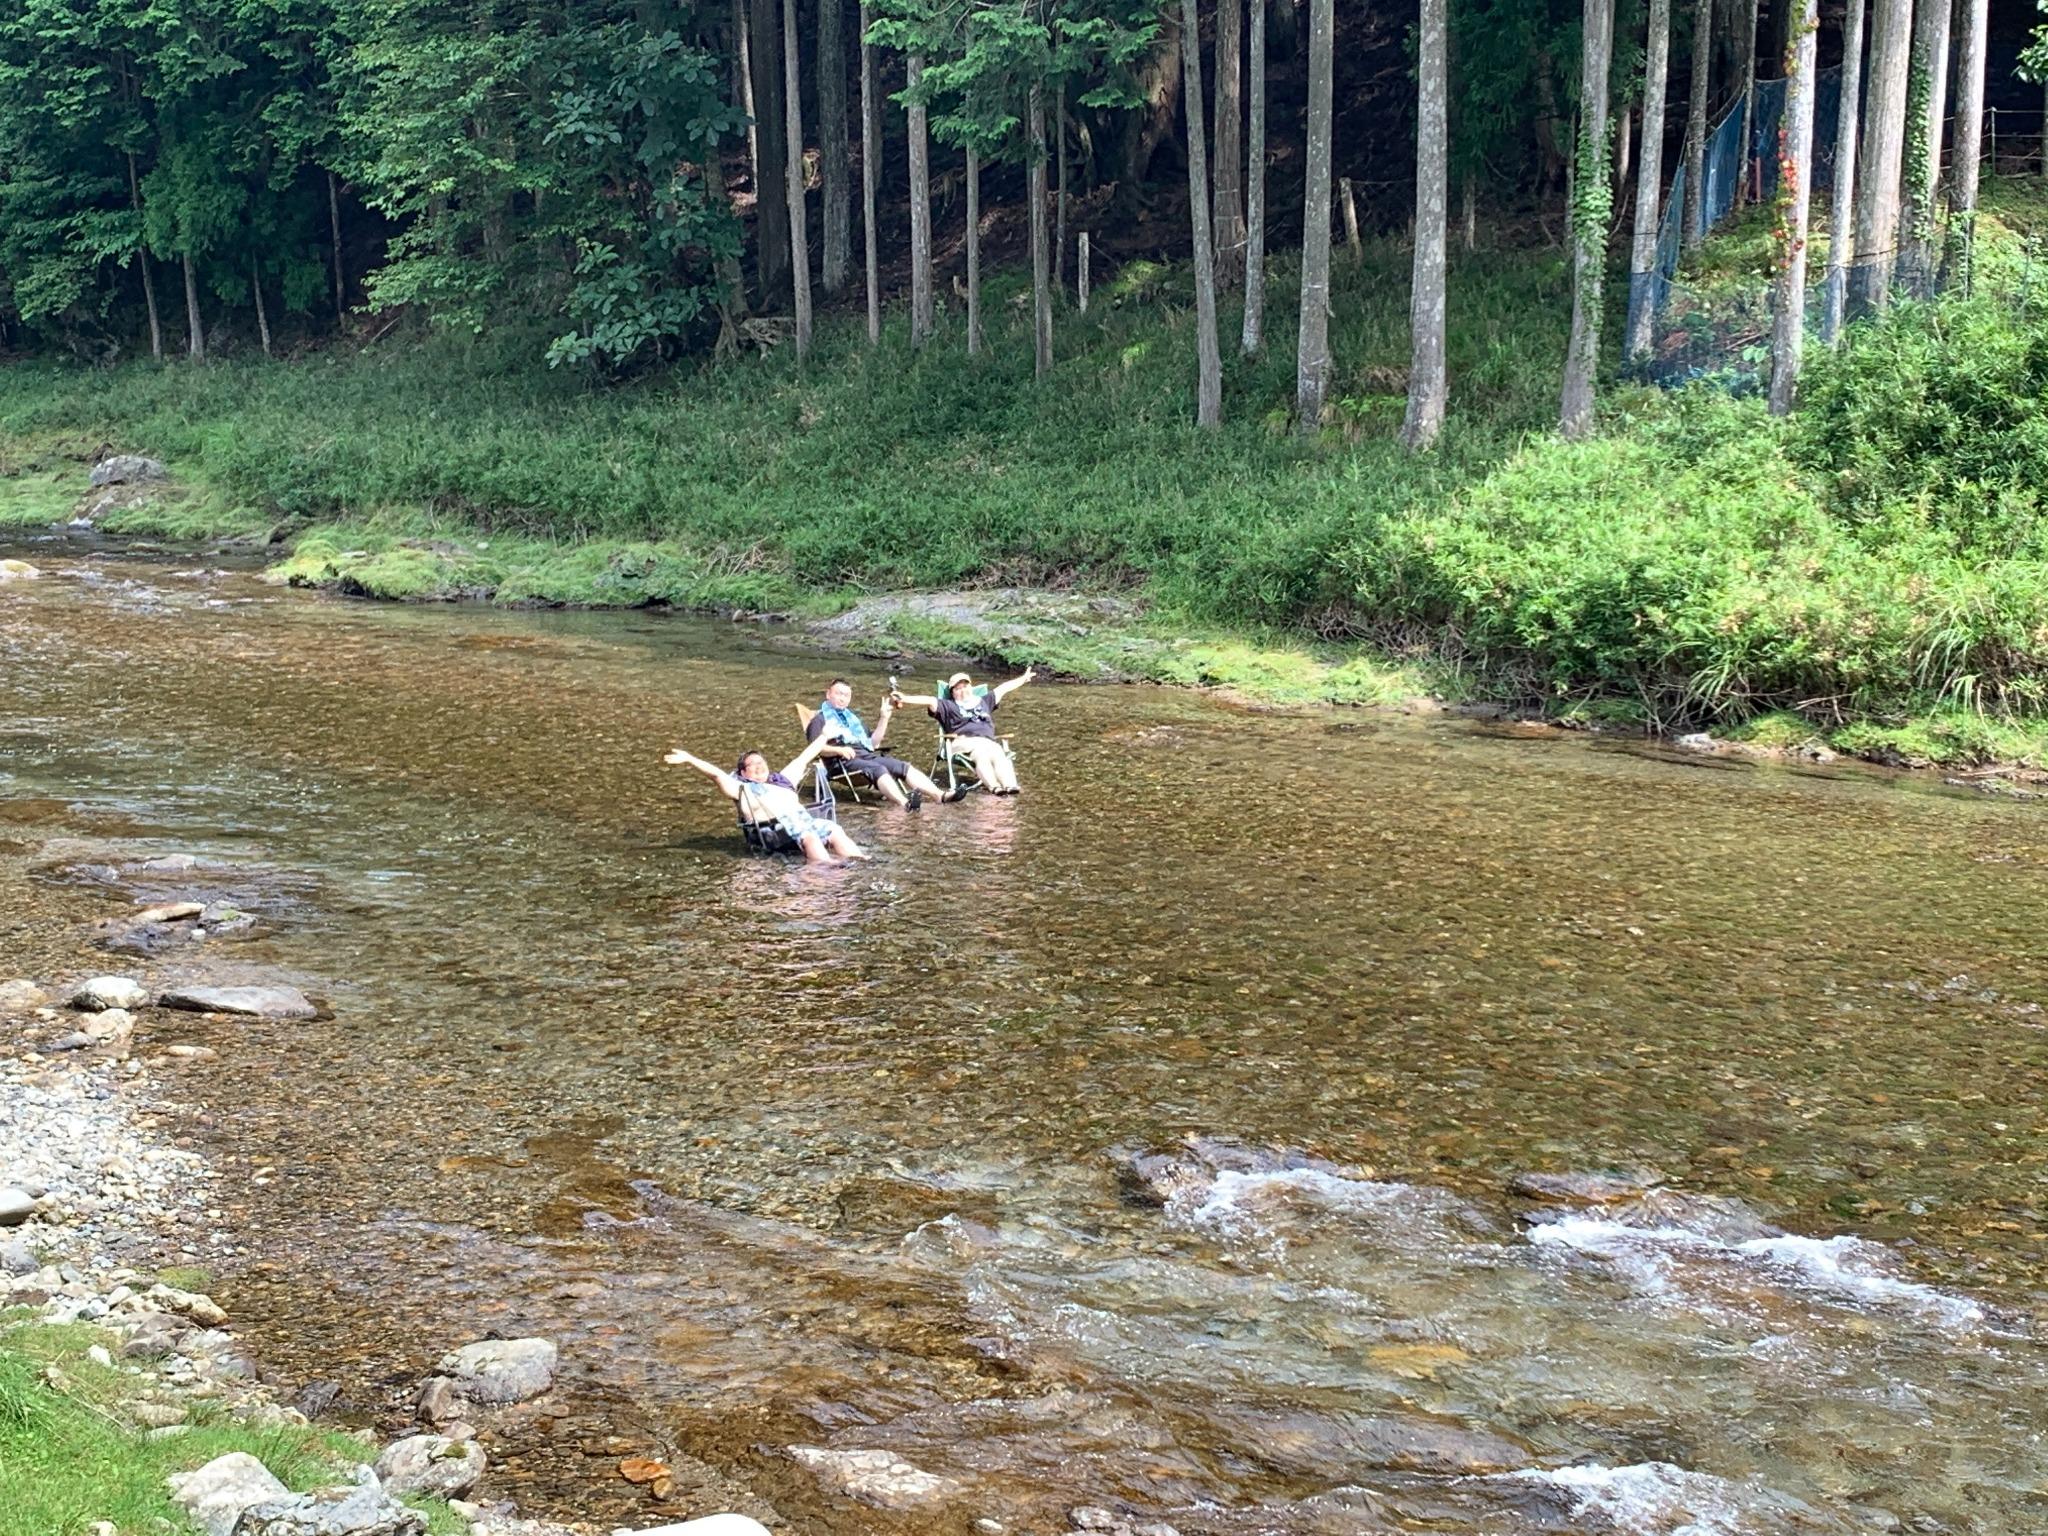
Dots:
pixel 1082 274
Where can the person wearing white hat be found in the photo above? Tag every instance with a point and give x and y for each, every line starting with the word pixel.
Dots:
pixel 967 718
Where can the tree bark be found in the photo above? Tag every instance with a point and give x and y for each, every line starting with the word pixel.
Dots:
pixel 1589 226
pixel 1649 182
pixel 1927 102
pixel 920 213
pixel 743 86
pixel 771 130
pixel 1254 336
pixel 196 332
pixel 334 225
pixel 1081 272
pixel 1427 386
pixel 1471 201
pixel 156 322
pixel 1041 252
pixel 1748 45
pixel 1877 169
pixel 1693 218
pixel 1965 165
pixel 1312 352
pixel 1228 171
pixel 1795 187
pixel 1209 361
pixel 835 179
pixel 793 127
pixel 1354 245
pixel 1842 204
pixel 262 314
pixel 870 175
pixel 973 253
pixel 1059 227
pixel 1623 134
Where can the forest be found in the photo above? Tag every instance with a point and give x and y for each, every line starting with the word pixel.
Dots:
pixel 783 267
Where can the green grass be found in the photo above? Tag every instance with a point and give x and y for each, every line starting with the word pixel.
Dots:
pixel 1875 566
pixel 68 1460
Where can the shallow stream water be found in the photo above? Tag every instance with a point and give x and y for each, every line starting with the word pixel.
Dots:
pixel 785 1157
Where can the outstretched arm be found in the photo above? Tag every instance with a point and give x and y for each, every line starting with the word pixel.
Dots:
pixel 795 770
pixel 1004 690
pixel 880 733
pixel 724 780
pixel 918 700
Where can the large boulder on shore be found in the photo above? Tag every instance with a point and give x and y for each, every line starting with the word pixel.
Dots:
pixel 366 1509
pixel 273 1002
pixel 497 1371
pixel 216 1494
pixel 127 469
pixel 431 1464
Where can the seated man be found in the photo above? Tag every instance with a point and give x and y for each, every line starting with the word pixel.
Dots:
pixel 968 722
pixel 836 723
pixel 770 800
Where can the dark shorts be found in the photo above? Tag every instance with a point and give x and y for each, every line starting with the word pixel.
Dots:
pixel 875 767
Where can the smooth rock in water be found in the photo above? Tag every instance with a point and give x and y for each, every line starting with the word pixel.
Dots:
pixel 202 1309
pixel 111 1026
pixel 1698 741
pixel 216 1494
pixel 126 469
pixel 249 1002
pixel 880 1478
pixel 104 992
pixel 16 1206
pixel 431 1464
pixel 168 912
pixel 501 1370
pixel 1160 1178
pixel 192 1052
pixel 1582 1188
pixel 19 996
pixel 364 1510
pixel 439 1402
pixel 704 1525
pixel 1090 1518
pixel 17 570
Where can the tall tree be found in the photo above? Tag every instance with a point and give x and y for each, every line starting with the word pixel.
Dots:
pixel 1877 157
pixel 1041 252
pixel 1927 113
pixel 1693 219
pixel 1788 318
pixel 771 132
pixel 1746 41
pixel 835 179
pixel 1427 385
pixel 1312 352
pixel 1059 223
pixel 920 206
pixel 1842 204
pixel 1209 361
pixel 973 251
pixel 1254 337
pixel 1965 164
pixel 1592 211
pixel 870 173
pixel 1229 166
pixel 793 123
pixel 1649 182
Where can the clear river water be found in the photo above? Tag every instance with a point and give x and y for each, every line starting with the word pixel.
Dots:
pixel 843 1158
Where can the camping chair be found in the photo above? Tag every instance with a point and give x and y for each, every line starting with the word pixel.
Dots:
pixel 857 784
pixel 766 837
pixel 951 759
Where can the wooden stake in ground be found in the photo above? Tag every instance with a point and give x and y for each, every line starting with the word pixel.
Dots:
pixel 920 211
pixel 1591 210
pixel 1788 317
pixel 1427 385
pixel 1965 165
pixel 1842 195
pixel 1693 217
pixel 1642 261
pixel 870 174
pixel 1209 361
pixel 835 183
pixel 1312 351
pixel 793 128
pixel 1877 157
pixel 1081 271
pixel 1254 335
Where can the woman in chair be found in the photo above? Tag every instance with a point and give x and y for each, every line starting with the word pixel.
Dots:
pixel 770 799
pixel 968 722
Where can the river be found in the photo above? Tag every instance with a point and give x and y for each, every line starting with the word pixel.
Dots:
pixel 787 1157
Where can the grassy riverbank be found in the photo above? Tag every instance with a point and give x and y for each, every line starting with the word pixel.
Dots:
pixel 1872 574
pixel 69 1456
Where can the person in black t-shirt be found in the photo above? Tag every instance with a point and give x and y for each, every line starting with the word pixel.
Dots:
pixel 968 720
